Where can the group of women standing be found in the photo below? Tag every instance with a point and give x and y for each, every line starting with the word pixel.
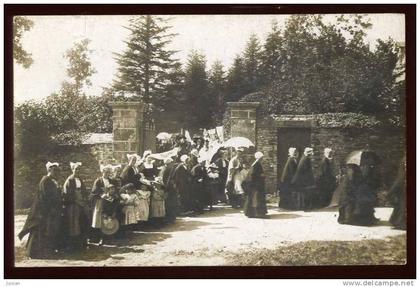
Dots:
pixel 356 194
pixel 149 190
pixel 298 189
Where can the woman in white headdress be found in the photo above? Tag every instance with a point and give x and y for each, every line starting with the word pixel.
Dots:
pixel 179 182
pixel 304 181
pixel 234 179
pixel 76 210
pixel 254 185
pixel 100 187
pixel 43 223
pixel 327 180
pixel 286 189
pixel 129 173
pixel 147 169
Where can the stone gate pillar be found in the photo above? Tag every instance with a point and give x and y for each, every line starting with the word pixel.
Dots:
pixel 242 119
pixel 127 129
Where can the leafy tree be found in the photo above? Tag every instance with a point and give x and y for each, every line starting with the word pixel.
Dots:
pixel 316 67
pixel 69 107
pixel 80 68
pixel 21 25
pixel 143 67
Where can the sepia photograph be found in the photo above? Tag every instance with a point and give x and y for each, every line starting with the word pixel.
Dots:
pixel 156 140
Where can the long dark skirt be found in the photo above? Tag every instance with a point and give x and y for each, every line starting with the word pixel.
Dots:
pixel 76 223
pixel 44 239
pixel 358 209
pixel 255 204
pixel 285 196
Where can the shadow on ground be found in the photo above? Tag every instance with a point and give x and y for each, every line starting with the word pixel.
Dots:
pixel 284 216
pixel 219 211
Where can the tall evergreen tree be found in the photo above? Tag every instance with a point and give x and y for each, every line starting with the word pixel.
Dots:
pixel 236 84
pixel 272 55
pixel 217 90
pixel 143 67
pixel 196 89
pixel 252 64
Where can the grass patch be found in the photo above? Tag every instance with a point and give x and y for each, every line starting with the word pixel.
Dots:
pixel 390 251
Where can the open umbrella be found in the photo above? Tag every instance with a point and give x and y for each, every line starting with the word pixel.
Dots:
pixel 163 136
pixel 358 156
pixel 237 142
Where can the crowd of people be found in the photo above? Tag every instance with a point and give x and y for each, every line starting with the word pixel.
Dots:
pixel 185 179
pixel 150 190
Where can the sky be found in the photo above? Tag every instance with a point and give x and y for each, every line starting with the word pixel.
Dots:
pixel 219 37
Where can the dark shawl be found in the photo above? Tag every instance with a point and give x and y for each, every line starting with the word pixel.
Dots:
pixel 47 203
pixel 167 172
pixel 255 203
pixel 357 199
pixel 149 173
pixel 304 176
pixel 223 171
pixel 289 170
pixel 98 188
pixel 69 195
pixel 180 181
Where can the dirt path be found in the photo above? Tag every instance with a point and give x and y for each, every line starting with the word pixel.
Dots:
pixel 210 238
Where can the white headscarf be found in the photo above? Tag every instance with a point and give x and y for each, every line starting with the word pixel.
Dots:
pixel 308 151
pixel 183 158
pixel 327 152
pixel 104 167
pixel 74 165
pixel 292 151
pixel 146 153
pixel 114 167
pixel 49 164
pixel 258 155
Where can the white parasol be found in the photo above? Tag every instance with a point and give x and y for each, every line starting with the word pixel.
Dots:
pixel 237 142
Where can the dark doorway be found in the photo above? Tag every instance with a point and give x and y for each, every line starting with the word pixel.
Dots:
pixel 290 137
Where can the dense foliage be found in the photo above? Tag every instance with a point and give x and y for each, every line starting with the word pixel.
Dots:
pixel 312 66
pixel 21 24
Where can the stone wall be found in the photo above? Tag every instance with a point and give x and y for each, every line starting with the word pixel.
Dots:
pixel 103 152
pixel 127 121
pixel 26 181
pixel 387 142
pixel 130 132
pixel 243 119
